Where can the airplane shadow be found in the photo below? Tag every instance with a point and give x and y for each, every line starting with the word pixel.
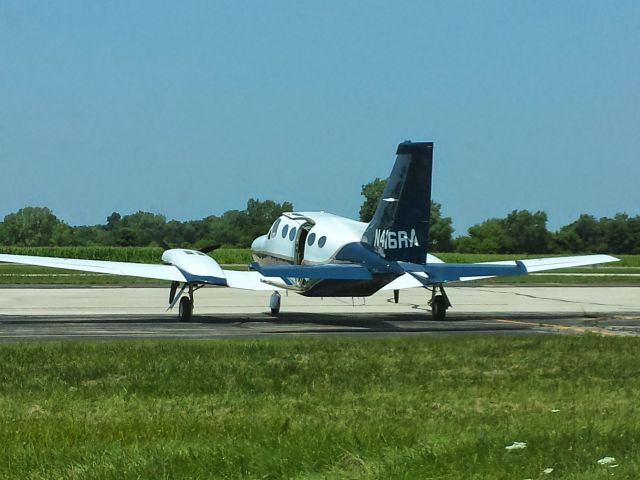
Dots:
pixel 301 323
pixel 288 323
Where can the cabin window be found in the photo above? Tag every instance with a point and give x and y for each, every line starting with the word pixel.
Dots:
pixel 311 238
pixel 292 234
pixel 285 229
pixel 321 241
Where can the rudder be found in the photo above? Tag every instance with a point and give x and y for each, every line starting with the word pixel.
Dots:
pixel 399 230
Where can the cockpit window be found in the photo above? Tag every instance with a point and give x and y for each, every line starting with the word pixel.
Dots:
pixel 311 238
pixel 188 252
pixel 292 234
pixel 321 241
pixel 274 229
pixel 285 229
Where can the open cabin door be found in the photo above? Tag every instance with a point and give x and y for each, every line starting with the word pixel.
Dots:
pixel 301 242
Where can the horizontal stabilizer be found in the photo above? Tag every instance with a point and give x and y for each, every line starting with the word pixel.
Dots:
pixel 334 271
pixel 448 272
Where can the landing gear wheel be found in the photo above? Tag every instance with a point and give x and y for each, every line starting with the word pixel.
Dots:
pixel 274 303
pixel 438 307
pixel 185 310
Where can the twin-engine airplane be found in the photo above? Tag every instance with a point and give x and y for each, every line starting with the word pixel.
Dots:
pixel 318 254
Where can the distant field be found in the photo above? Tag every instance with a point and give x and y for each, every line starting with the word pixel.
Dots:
pixel 400 408
pixel 124 254
pixel 626 271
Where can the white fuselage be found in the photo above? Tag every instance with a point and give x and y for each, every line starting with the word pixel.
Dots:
pixel 306 238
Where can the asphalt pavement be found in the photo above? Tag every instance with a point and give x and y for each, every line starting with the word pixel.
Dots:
pixel 33 314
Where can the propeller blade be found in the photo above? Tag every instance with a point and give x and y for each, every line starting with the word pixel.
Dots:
pixel 210 248
pixel 175 300
pixel 172 291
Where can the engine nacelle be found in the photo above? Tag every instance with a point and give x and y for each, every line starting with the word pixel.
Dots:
pixel 195 265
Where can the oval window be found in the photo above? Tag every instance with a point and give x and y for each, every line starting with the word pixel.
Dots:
pixel 292 234
pixel 311 238
pixel 321 241
pixel 285 229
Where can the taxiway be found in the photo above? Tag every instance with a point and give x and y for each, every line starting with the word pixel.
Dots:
pixel 103 313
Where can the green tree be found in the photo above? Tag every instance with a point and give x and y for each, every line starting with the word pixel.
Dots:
pixel 372 192
pixel 526 232
pixel 238 228
pixel 139 229
pixel 585 235
pixel 30 226
pixel 622 234
pixel 519 232
pixel 486 237
pixel 113 221
pixel 440 228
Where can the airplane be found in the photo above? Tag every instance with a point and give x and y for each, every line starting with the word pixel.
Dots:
pixel 318 254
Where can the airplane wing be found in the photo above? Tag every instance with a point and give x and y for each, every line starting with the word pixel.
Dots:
pixel 449 272
pixel 231 278
pixel 142 270
pixel 446 272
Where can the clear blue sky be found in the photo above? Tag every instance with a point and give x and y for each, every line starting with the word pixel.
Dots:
pixel 190 108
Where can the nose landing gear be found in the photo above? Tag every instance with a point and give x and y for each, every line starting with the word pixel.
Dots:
pixel 274 303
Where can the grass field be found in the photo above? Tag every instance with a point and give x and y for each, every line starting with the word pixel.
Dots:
pixel 401 408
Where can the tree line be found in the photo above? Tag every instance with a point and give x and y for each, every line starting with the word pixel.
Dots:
pixel 39 227
pixel 521 231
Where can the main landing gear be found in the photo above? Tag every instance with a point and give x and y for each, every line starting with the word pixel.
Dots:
pixel 439 302
pixel 185 307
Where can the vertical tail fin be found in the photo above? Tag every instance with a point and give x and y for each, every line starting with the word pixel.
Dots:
pixel 399 230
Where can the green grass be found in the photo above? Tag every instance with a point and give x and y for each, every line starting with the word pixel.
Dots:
pixel 321 408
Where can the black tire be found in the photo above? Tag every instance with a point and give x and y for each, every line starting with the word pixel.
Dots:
pixel 185 309
pixel 274 304
pixel 438 308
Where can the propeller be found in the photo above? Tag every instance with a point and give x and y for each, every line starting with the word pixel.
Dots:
pixel 210 248
pixel 206 249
